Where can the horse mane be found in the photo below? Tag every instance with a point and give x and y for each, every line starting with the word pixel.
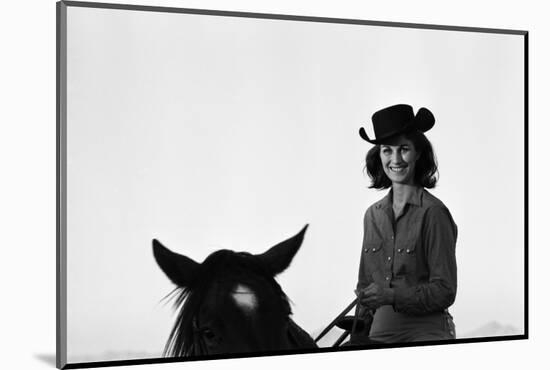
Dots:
pixel 222 265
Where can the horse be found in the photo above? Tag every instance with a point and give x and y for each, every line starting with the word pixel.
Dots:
pixel 231 303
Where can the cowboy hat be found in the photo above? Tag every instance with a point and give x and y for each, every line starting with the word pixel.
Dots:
pixel 397 119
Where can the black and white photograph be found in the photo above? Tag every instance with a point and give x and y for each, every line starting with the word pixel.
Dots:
pixel 242 184
pixel 205 184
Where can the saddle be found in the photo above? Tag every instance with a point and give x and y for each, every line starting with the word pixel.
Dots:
pixel 346 323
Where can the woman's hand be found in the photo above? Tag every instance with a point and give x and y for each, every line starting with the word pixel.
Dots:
pixel 374 296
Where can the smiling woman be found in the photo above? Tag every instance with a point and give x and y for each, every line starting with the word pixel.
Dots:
pixel 407 275
pixel 399 158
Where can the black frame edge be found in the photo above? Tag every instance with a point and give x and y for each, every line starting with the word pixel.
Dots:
pixel 81 365
pixel 61 181
pixel 526 185
pixel 226 13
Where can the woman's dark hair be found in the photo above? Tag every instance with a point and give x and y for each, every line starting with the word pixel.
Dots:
pixel 426 173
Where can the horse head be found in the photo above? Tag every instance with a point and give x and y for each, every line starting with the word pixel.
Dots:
pixel 231 303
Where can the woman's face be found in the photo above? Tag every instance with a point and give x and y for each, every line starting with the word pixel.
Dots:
pixel 399 158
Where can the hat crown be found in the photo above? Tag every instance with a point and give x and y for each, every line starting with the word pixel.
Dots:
pixel 391 120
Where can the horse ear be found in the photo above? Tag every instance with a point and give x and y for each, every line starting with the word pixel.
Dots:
pixel 278 257
pixel 180 269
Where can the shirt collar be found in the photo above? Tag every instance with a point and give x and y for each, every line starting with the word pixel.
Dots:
pixel 415 198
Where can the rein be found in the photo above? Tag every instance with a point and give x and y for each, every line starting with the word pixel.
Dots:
pixel 355 318
pixel 335 321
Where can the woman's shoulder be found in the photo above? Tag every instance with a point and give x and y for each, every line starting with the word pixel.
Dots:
pixel 431 201
pixel 435 206
pixel 374 210
pixel 380 203
pixel 436 212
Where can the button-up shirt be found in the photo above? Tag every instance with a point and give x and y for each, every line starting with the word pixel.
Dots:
pixel 414 255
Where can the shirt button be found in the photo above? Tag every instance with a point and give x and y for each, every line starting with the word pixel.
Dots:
pixel 374 249
pixel 408 251
pixel 389 258
pixel 392 237
pixel 400 250
pixel 387 278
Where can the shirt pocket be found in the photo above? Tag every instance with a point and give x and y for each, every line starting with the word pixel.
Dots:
pixel 406 258
pixel 373 256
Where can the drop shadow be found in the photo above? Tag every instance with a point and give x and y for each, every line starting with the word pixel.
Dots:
pixel 47 358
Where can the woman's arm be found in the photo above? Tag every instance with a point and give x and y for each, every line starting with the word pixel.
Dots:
pixel 364 279
pixel 439 237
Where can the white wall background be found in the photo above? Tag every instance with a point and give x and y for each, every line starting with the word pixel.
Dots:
pixel 29 186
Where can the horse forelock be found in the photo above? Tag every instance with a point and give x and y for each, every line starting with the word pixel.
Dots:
pixel 225 273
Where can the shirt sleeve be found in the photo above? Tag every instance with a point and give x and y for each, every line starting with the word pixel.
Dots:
pixel 439 238
pixel 363 279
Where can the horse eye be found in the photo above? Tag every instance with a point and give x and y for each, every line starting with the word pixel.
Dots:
pixel 208 334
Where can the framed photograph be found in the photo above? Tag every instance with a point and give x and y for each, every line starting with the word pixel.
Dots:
pixel 241 184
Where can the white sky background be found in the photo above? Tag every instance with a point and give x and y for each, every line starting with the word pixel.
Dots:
pixel 212 132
